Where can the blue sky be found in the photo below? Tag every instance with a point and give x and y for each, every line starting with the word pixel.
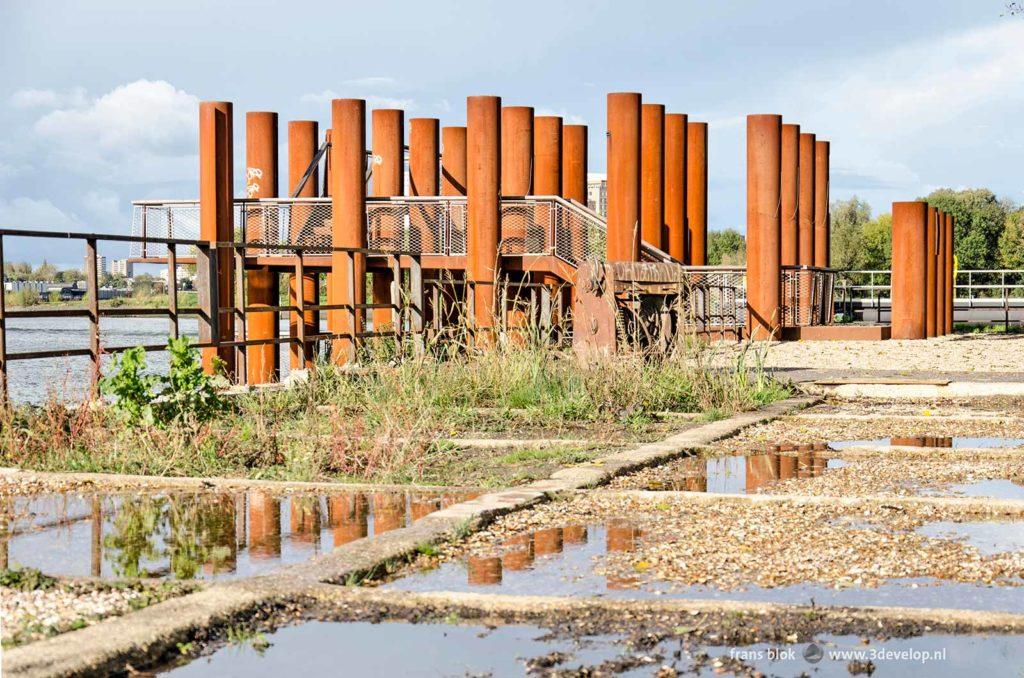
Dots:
pixel 98 100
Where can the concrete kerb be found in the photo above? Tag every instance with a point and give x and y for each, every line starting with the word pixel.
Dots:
pixel 151 632
pixel 899 391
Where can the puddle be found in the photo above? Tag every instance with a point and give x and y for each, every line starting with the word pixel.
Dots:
pixel 992 489
pixel 930 441
pixel 740 474
pixel 211 535
pixel 431 649
pixel 988 537
pixel 550 563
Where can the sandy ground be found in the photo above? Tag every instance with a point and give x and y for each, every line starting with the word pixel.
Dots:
pixel 957 353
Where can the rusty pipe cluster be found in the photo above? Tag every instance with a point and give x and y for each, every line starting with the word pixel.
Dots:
pixel 923 284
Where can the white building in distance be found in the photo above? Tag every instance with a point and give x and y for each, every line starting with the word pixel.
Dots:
pixel 123 268
pixel 597 192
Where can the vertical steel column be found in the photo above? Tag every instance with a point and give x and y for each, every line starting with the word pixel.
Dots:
pixel 623 238
pixel 697 193
pixel 348 224
pixel 263 362
pixel 483 164
pixel 547 180
pixel 950 276
pixel 387 180
pixel 216 223
pixel 909 269
pixel 303 136
pixel 940 275
pixel 764 172
pixel 652 174
pixel 790 202
pixel 425 179
pixel 517 133
pixel 453 161
pixel 574 163
pixel 674 238
pixel 822 218
pixel 931 243
pixel 805 236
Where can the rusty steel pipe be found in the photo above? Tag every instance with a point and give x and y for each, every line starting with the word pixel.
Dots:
pixel 483 190
pixel 303 136
pixel 652 174
pixel 697 193
pixel 453 161
pixel 425 175
pixel 348 223
pixel 822 218
pixel 263 363
pixel 805 208
pixel 517 150
pixel 931 244
pixel 950 277
pixel 623 239
pixel 387 180
pixel 674 237
pixel 909 269
pixel 216 217
pixel 764 172
pixel 940 275
pixel 547 155
pixel 790 201
pixel 574 163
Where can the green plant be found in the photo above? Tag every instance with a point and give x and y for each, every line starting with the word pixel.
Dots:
pixel 26 579
pixel 130 387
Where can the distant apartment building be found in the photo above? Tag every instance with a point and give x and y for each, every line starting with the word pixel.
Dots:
pixel 101 264
pixel 181 273
pixel 597 193
pixel 123 268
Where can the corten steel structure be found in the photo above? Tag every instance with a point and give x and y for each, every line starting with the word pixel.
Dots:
pixel 652 170
pixel 822 218
pixel 623 239
pixel 940 276
pixel 910 225
pixel 303 137
pixel 574 163
pixel 483 191
pixel 950 276
pixel 764 151
pixel 216 223
pixel 789 201
pixel 453 161
pixel 674 237
pixel 387 180
pixel 261 168
pixel 696 193
pixel 931 260
pixel 424 175
pixel 805 227
pixel 547 155
pixel 517 150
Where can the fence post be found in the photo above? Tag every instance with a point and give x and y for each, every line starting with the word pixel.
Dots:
pixel 241 353
pixel 3 330
pixel 416 303
pixel 209 295
pixel 172 288
pixel 93 287
pixel 300 300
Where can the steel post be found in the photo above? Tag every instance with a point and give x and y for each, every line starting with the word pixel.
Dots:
pixel 517 132
pixel 790 203
pixel 574 163
pixel 931 245
pixel 453 161
pixel 425 178
pixel 652 174
pixel 805 208
pixel 547 155
pixel 764 165
pixel 822 218
pixel 483 190
pixel 346 284
pixel 950 276
pixel 697 193
pixel 674 238
pixel 623 237
pixel 387 180
pixel 303 137
pixel 940 276
pixel 909 269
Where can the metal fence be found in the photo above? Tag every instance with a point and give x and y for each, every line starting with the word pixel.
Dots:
pixel 808 296
pixel 716 298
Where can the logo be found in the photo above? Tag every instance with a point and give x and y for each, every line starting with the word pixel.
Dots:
pixel 813 653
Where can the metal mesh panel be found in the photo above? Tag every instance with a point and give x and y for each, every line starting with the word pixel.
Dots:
pixel 807 296
pixel 163 220
pixel 579 234
pixel 526 226
pixel 717 299
pixel 456 239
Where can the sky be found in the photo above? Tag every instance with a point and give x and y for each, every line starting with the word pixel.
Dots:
pixel 99 100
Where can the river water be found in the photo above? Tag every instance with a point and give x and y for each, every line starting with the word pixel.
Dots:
pixel 32 381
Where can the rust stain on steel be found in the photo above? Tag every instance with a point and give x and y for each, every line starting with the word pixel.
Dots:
pixel 931 247
pixel 574 163
pixel 764 151
pixel 909 270
pixel 697 193
pixel 790 200
pixel 516 150
pixel 483 163
pixel 348 217
pixel 623 239
pixel 453 161
pixel 387 180
pixel 303 136
pixel 425 175
pixel 674 237
pixel 261 170
pixel 652 171
pixel 822 218
pixel 805 211
pixel 216 220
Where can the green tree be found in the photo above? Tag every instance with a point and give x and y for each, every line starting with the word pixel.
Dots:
pixel 1011 242
pixel 17 270
pixel 847 241
pixel 726 248
pixel 876 244
pixel 979 221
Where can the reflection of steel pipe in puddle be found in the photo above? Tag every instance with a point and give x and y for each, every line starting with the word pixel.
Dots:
pixel 520 557
pixel 546 542
pixel 388 512
pixel 348 516
pixel 574 534
pixel 264 526
pixel 621 536
pixel 761 470
pixel 484 570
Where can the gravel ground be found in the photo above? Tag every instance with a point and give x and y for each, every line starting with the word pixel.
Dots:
pixel 735 544
pixel 959 353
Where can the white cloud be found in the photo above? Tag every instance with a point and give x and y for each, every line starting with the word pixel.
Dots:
pixel 372 100
pixel 567 118
pixel 32 214
pixel 104 206
pixel 74 97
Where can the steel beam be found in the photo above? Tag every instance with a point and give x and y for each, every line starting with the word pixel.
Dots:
pixel 822 218
pixel 764 165
pixel 574 163
pixel 805 208
pixel 517 132
pixel 303 137
pixel 346 284
pixel 453 161
pixel 483 163
pixel 931 246
pixel 263 362
pixel 216 221
pixel 909 269
pixel 388 180
pixel 790 202
pixel 652 174
pixel 674 238
pixel 697 193
pixel 623 239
